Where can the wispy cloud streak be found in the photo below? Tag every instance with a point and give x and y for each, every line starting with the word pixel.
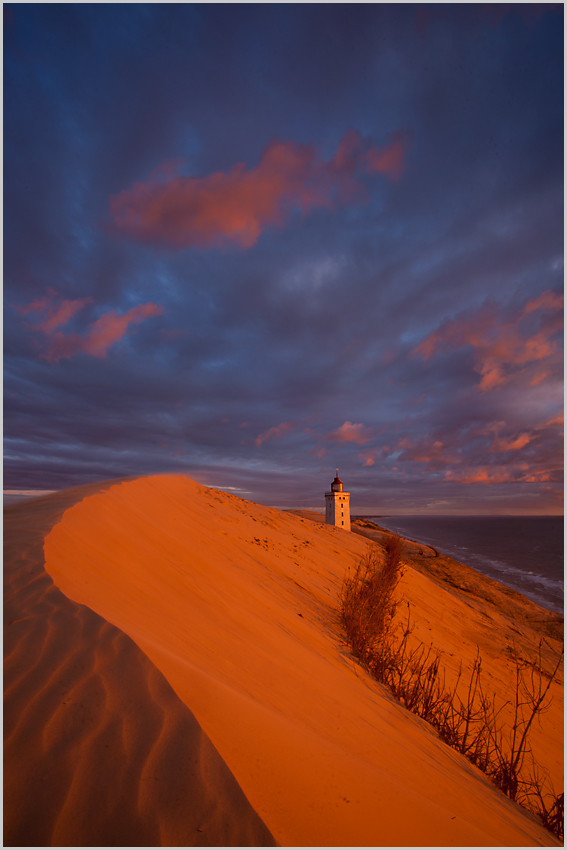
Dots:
pixel 235 207
pixel 504 348
pixel 350 432
pixel 51 311
pixel 101 335
pixel 275 433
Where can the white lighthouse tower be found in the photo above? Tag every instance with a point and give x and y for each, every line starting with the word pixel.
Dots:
pixel 337 509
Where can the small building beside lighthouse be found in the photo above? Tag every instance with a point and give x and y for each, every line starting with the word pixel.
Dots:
pixel 337 505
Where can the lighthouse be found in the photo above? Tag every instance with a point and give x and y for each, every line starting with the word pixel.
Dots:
pixel 337 510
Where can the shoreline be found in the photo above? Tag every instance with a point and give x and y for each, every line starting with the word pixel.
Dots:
pixel 462 577
pixel 452 574
pixel 235 605
pixel 524 553
pixel 496 620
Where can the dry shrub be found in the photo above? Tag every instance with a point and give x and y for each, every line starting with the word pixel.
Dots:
pixel 472 725
pixel 512 766
pixel 368 603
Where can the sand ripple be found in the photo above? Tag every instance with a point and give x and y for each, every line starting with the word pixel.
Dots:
pixel 99 750
pixel 235 604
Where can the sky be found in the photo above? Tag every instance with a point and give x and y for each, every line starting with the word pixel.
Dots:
pixel 253 243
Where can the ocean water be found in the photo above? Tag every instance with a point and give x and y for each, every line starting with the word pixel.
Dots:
pixel 11 497
pixel 522 552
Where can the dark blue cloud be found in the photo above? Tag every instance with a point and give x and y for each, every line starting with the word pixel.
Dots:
pixel 314 325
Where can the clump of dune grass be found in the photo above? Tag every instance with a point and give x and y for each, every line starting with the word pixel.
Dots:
pixel 470 724
pixel 368 604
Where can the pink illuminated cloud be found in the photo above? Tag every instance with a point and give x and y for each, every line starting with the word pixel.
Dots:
pixel 504 348
pixel 512 442
pixel 548 300
pixel 275 433
pixel 101 335
pixel 351 433
pixel 433 453
pixel 470 455
pixel 369 457
pixel 235 207
pixel 52 311
pixel 501 475
pixel 556 421
pixel 317 451
pixel 389 160
pixel 481 475
pixel 509 444
pixel 532 456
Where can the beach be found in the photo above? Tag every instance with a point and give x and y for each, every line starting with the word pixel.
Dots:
pixel 176 675
pixel 522 552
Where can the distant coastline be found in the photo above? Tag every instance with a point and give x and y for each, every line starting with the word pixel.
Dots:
pixel 523 553
pixel 11 497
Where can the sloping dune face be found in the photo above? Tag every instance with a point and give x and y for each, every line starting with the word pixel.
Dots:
pixel 99 750
pixel 236 604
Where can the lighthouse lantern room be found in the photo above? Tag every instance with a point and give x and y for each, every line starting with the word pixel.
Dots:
pixel 337 507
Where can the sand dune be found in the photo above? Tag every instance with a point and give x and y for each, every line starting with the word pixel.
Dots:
pixel 235 604
pixel 99 751
pixel 468 612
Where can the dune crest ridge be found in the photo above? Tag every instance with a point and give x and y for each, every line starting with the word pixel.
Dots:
pixel 99 750
pixel 235 604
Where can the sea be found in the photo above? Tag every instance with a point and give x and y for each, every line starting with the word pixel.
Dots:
pixel 11 497
pixel 522 552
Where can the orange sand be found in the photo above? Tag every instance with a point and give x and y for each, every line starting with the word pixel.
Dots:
pixel 99 751
pixel 469 611
pixel 235 604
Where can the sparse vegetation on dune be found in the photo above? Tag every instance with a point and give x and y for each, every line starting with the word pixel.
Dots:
pixel 466 717
pixel 368 605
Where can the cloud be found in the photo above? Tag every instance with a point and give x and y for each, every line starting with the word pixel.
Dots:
pixel 503 348
pixel 275 433
pixel 235 207
pixel 317 451
pixel 514 442
pixel 508 444
pixel 555 421
pixel 369 457
pixel 502 475
pixel 548 300
pixel 53 312
pixel 389 160
pixel 351 433
pixel 475 213
pixel 484 455
pixel 480 475
pixel 101 335
pixel 431 452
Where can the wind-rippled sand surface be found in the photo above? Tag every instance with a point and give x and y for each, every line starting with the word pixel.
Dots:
pixel 235 604
pixel 99 750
